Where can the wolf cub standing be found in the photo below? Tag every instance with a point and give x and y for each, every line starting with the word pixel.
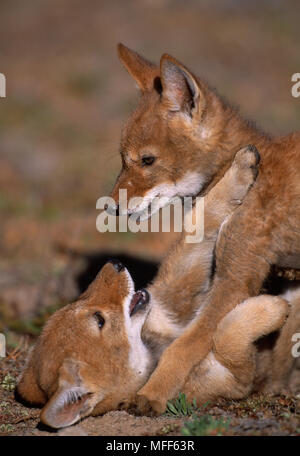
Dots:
pixel 179 141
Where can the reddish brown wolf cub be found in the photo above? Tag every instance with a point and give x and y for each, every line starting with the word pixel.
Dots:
pixel 179 141
pixel 95 354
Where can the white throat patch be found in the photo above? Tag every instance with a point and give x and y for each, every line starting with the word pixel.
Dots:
pixel 139 356
pixel 189 185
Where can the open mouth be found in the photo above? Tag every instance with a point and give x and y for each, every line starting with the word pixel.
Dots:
pixel 138 301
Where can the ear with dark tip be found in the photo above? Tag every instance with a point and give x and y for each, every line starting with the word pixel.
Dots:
pixel 142 71
pixel 181 91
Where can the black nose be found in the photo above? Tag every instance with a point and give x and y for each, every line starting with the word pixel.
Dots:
pixel 112 210
pixel 117 265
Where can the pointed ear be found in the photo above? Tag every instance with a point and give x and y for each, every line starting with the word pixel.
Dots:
pixel 66 407
pixel 142 71
pixel 181 91
pixel 71 401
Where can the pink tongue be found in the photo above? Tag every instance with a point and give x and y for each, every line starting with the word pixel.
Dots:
pixel 135 299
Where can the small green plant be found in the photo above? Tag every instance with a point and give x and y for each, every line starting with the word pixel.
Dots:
pixel 204 425
pixel 4 405
pixel 169 428
pixel 8 383
pixel 181 406
pixel 5 428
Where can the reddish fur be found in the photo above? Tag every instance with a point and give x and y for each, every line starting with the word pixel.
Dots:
pixel 72 350
pixel 258 234
pixel 200 132
pixel 74 354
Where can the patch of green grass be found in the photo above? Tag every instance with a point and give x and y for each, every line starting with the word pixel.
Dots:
pixel 49 213
pixel 205 425
pixel 181 406
pixel 11 206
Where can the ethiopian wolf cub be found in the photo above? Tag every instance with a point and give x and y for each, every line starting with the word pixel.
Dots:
pixel 179 141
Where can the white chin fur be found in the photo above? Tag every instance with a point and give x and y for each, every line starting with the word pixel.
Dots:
pixel 189 185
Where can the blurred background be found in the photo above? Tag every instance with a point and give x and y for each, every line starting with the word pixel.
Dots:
pixel 67 98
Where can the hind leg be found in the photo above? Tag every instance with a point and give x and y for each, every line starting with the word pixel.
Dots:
pixel 250 320
pixel 229 370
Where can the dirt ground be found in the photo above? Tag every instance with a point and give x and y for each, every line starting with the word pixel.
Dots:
pixel 60 123
pixel 256 415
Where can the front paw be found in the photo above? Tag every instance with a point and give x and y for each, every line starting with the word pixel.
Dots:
pixel 148 404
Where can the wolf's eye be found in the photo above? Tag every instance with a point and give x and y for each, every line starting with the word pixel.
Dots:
pixel 148 160
pixel 100 320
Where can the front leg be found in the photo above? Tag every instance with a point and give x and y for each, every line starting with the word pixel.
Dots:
pixel 241 267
